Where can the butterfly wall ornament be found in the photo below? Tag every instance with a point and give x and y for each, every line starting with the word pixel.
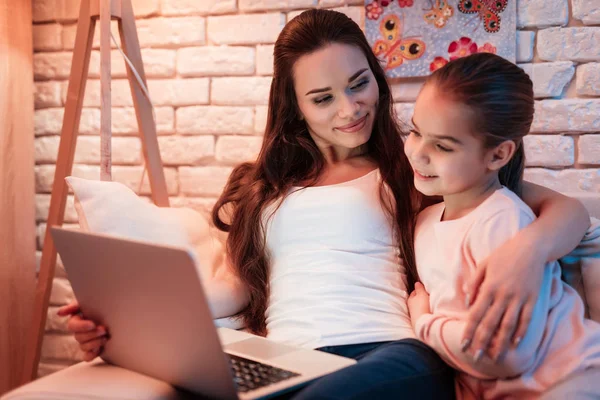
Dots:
pixel 488 11
pixel 392 47
pixel 439 13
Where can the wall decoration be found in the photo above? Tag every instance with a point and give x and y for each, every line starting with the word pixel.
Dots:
pixel 416 37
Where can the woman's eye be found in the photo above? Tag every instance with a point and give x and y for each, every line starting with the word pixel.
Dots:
pixel 322 100
pixel 360 84
pixel 417 134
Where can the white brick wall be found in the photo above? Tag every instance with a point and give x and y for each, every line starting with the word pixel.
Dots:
pixel 209 65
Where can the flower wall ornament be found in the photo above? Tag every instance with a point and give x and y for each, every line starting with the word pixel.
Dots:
pixel 462 47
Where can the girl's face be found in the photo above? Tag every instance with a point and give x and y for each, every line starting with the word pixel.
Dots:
pixel 337 96
pixel 447 158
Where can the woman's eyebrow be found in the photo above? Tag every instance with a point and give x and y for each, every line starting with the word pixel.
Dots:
pixel 353 77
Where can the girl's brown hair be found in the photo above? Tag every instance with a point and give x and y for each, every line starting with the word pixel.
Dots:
pixel 500 94
pixel 289 157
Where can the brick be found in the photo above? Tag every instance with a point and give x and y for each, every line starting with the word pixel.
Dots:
pixel 47 37
pixel 51 65
pixel 47 121
pixel 262 5
pixel 214 120
pixel 588 11
pixel 174 31
pixel 549 150
pixel 61 347
pixel 203 181
pixel 250 28
pixel 70 31
pixel 158 63
pixel 291 15
pixel 42 206
pixel 179 92
pixel 240 91
pixel 588 79
pixel 336 3
pixel 357 14
pixel 525 44
pixel 570 115
pixel 124 150
pixel 407 90
pixel 215 61
pixel 47 94
pixel 306 3
pixel 237 149
pixel 264 59
pixel 45 10
pixel 195 7
pixel 130 176
pixel 124 121
pixel 542 13
pixel 260 119
pixel 186 150
pixel 589 149
pixel 145 8
pixel 567 180
pixel 120 93
pixel 59 270
pixel 574 44
pixel 549 79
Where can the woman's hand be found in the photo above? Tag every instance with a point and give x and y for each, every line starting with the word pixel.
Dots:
pixel 91 338
pixel 502 295
pixel 418 303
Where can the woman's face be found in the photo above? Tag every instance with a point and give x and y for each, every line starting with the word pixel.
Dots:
pixel 337 96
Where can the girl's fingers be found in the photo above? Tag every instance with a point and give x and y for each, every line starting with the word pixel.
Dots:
pixel 93 344
pixel 90 355
pixel 524 320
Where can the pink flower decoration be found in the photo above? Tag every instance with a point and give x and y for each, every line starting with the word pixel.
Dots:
pixel 487 48
pixel 437 63
pixel 405 3
pixel 373 10
pixel 385 3
pixel 461 48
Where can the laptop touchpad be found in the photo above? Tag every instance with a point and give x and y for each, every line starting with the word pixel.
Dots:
pixel 260 348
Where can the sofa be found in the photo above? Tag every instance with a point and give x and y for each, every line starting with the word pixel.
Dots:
pixel 98 380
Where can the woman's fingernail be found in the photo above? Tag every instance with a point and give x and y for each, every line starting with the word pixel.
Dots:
pixel 478 355
pixel 465 343
pixel 518 340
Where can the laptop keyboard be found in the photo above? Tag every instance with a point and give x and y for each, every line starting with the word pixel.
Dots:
pixel 250 375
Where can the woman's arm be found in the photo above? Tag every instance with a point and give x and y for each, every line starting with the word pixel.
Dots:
pixel 504 291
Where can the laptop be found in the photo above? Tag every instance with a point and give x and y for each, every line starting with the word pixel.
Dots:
pixel 152 301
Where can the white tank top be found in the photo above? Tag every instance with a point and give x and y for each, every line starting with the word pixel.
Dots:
pixel 335 271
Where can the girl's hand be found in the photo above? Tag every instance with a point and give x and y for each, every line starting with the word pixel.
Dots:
pixel 91 338
pixel 418 303
pixel 503 293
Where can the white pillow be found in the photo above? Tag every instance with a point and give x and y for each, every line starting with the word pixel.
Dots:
pixel 114 209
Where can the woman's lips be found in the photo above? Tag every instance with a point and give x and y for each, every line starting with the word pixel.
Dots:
pixel 354 126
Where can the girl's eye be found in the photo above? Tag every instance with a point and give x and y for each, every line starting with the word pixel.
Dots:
pixel 443 148
pixel 417 134
pixel 322 100
pixel 360 84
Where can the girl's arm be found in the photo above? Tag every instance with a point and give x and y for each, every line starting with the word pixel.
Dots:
pixel 503 293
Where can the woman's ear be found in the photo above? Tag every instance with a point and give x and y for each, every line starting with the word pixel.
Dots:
pixel 501 154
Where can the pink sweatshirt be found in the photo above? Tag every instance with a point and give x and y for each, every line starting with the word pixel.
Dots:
pixel 559 340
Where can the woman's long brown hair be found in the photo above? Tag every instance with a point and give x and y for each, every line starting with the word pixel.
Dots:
pixel 289 157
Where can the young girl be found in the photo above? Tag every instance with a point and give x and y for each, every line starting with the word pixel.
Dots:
pixel 317 224
pixel 470 151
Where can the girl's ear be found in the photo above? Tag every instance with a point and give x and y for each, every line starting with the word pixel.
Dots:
pixel 501 155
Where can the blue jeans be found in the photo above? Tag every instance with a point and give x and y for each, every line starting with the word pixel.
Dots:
pixel 387 370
